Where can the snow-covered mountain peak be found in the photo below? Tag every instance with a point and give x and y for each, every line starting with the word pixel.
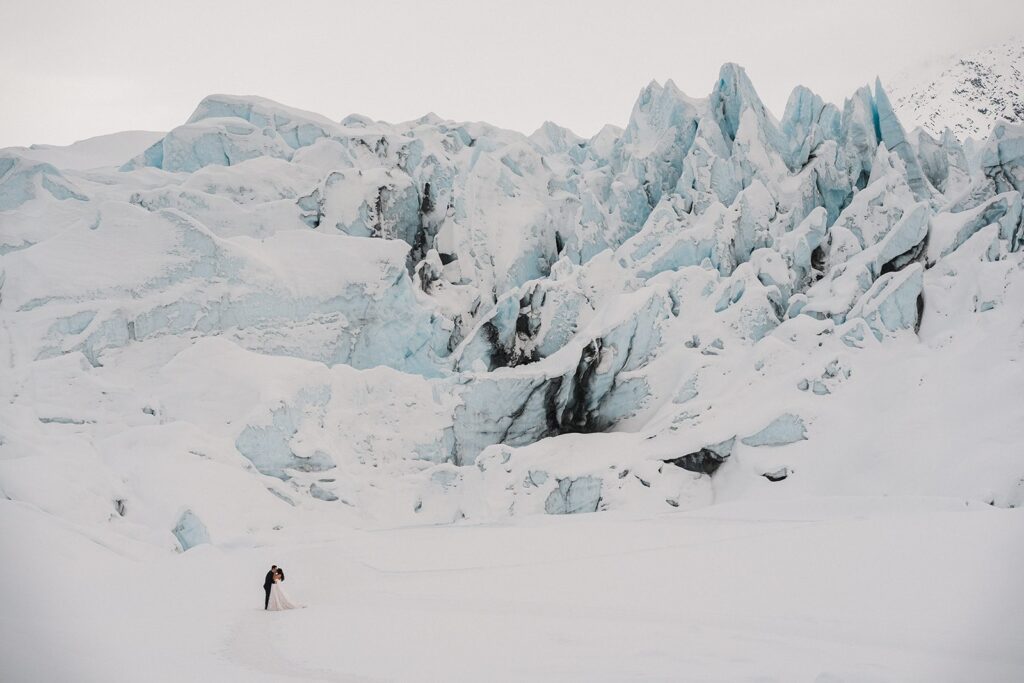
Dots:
pixel 967 94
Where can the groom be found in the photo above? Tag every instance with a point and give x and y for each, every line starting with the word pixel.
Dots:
pixel 268 581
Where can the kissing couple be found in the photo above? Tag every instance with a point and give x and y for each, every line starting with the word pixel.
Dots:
pixel 276 599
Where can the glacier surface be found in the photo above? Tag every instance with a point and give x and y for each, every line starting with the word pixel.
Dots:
pixel 433 321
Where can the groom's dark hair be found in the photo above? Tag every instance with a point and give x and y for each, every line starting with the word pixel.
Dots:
pixel 273 566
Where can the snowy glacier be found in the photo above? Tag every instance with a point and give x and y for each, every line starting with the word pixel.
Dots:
pixel 268 320
pixel 532 287
pixel 535 287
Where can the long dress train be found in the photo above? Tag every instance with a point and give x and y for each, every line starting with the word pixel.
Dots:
pixel 279 599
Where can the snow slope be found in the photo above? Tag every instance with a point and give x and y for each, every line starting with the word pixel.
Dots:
pixel 819 589
pixel 966 94
pixel 269 336
pixel 103 150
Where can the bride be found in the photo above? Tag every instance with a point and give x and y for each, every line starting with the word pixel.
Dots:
pixel 278 598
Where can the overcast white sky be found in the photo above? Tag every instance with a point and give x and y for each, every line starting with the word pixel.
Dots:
pixel 71 70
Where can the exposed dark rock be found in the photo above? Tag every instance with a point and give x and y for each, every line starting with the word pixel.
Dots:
pixel 553 423
pixel 707 460
pixel 577 416
pixel 920 312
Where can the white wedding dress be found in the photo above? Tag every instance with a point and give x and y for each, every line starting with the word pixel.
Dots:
pixel 279 599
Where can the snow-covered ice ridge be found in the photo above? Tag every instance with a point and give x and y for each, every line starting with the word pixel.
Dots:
pixel 966 94
pixel 268 317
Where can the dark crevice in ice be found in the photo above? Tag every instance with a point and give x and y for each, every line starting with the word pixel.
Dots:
pixel 914 254
pixel 707 460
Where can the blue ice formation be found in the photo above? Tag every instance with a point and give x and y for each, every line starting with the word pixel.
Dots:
pixel 1002 158
pixel 785 429
pixel 22 180
pixel 190 530
pixel 572 496
pixel 894 302
pixel 268 446
pixel 544 285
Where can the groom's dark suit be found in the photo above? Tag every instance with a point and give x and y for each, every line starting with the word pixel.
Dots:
pixel 267 583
